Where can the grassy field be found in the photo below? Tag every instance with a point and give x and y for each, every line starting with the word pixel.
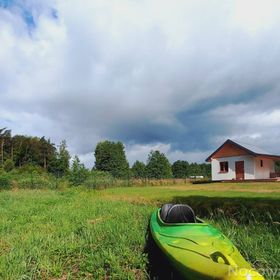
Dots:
pixel 101 234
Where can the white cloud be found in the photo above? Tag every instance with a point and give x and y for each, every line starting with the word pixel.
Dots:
pixel 255 15
pixel 140 152
pixel 267 119
pixel 102 69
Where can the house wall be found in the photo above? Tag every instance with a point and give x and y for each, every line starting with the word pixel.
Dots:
pixel 263 172
pixel 249 168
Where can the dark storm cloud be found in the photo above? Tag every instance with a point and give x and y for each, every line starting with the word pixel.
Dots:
pixel 181 77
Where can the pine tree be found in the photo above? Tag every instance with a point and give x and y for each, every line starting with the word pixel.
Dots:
pixel 78 172
pixel 63 158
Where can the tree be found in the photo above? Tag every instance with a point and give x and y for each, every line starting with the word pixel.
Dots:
pixel 63 157
pixel 206 170
pixel 5 136
pixel 47 152
pixel 277 166
pixel 180 169
pixel 31 150
pixel 60 164
pixel 203 169
pixel 2 139
pixel 138 169
pixel 24 150
pixel 78 172
pixel 110 156
pixel 158 166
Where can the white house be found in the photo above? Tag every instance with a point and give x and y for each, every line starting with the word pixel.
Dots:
pixel 233 161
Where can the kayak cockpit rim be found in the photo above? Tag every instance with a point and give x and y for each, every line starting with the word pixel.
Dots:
pixel 199 222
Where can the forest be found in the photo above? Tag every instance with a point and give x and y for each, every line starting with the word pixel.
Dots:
pixel 21 152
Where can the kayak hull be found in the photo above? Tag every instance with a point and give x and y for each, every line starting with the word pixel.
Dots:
pixel 198 251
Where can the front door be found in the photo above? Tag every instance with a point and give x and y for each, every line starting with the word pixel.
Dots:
pixel 239 170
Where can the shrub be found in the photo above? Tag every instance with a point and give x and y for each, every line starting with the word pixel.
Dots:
pixel 32 177
pixel 78 173
pixel 9 165
pixel 99 179
pixel 5 181
pixel 101 174
pixel 99 183
pixel 35 181
pixel 31 168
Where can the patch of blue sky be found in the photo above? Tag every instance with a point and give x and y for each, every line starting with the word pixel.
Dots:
pixel 29 19
pixel 54 14
pixel 19 6
pixel 6 3
pixel 25 12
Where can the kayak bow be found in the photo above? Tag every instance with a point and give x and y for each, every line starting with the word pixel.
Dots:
pixel 198 250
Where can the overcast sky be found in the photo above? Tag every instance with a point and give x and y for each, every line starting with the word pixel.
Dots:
pixel 178 76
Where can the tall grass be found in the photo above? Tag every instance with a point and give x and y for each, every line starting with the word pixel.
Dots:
pixel 47 235
pixel 84 234
pixel 95 182
pixel 258 242
pixel 32 177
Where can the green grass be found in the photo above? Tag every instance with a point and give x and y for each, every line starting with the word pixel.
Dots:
pixel 88 234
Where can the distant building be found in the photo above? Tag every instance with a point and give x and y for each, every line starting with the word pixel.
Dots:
pixel 233 161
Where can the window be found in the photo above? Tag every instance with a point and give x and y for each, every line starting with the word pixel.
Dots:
pixel 261 163
pixel 224 167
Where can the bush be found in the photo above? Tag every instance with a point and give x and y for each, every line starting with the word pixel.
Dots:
pixel 32 177
pixel 99 179
pixel 9 165
pixel 78 173
pixel 35 181
pixel 101 174
pixel 99 183
pixel 5 181
pixel 31 168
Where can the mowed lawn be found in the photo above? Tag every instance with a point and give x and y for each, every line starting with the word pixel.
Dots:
pixel 101 234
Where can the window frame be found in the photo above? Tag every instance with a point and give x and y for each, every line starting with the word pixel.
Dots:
pixel 223 167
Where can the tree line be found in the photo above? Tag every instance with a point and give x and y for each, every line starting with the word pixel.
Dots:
pixel 19 150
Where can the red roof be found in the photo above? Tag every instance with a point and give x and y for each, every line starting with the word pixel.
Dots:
pixel 241 149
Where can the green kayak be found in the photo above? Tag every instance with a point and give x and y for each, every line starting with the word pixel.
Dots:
pixel 197 250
